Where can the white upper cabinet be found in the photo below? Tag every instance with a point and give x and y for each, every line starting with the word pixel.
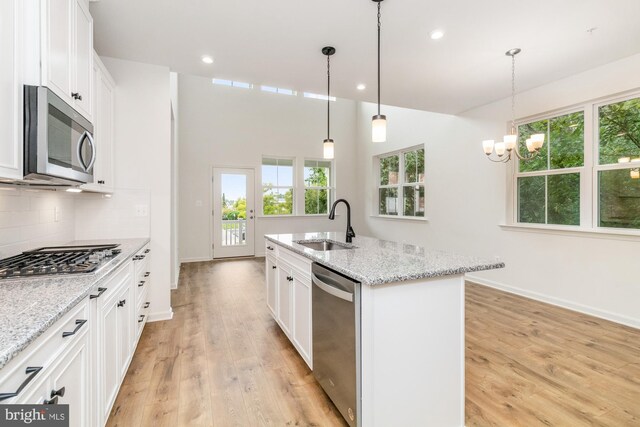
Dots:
pixel 67 52
pixel 103 128
pixel 10 90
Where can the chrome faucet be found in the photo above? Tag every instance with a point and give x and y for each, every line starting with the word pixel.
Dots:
pixel 332 215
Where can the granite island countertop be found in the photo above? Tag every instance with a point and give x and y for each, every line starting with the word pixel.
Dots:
pixel 28 307
pixel 375 262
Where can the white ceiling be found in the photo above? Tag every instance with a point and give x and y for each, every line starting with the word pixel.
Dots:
pixel 278 43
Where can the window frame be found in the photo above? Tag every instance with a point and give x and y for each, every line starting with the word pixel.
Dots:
pixel 292 187
pixel 331 188
pixel 589 186
pixel 400 185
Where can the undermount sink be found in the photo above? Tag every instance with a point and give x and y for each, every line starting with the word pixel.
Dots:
pixel 323 245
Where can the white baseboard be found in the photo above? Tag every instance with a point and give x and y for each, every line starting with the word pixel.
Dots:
pixel 197 259
pixel 163 315
pixel 592 311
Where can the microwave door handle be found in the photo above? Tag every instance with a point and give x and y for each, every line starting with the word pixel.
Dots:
pixel 93 150
pixel 79 148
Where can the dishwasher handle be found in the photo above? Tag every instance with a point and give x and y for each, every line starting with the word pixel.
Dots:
pixel 330 289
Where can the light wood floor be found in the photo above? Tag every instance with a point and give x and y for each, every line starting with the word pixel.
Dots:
pixel 223 361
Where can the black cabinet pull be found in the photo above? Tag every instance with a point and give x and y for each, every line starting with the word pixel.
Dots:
pixel 76 95
pixel 273 267
pixel 270 248
pixel 59 392
pixel 122 302
pixel 289 278
pixel 141 318
pixel 100 292
pixel 147 274
pixel 146 251
pixel 53 401
pixel 101 181
pixel 141 284
pixel 147 304
pixel 32 371
pixel 79 324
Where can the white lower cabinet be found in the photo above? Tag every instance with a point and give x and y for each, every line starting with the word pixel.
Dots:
pixel 272 282
pixel 70 382
pixel 288 286
pixel 82 359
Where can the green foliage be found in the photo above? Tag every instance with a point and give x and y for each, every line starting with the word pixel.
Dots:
pixel 389 168
pixel 531 204
pixel 414 166
pixel 619 131
pixel 619 199
pixel 277 201
pixel 234 209
pixel 316 200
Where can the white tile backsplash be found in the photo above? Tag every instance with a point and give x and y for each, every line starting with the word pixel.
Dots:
pixel 33 218
pixel 28 220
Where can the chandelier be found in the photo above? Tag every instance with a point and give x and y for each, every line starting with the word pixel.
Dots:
pixel 507 148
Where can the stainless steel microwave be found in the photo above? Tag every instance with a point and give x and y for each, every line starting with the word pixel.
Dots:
pixel 58 141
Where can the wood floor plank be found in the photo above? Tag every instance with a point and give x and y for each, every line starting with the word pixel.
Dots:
pixel 223 361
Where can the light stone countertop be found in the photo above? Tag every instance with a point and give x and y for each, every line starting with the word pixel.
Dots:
pixel 376 262
pixel 28 307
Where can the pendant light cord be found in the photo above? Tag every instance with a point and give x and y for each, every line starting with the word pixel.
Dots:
pixel 328 96
pixel 513 94
pixel 379 26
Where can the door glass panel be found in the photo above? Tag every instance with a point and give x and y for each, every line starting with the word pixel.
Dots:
pixel 234 209
pixel 63 136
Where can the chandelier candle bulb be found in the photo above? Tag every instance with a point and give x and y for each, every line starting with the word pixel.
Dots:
pixel 510 141
pixel 487 146
pixel 500 149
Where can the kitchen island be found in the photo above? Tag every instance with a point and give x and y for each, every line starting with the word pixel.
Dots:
pixel 409 322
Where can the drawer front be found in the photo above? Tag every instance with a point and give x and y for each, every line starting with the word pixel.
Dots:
pixel 142 285
pixel 141 261
pixel 300 263
pixel 33 363
pixel 112 285
pixel 142 313
pixel 270 248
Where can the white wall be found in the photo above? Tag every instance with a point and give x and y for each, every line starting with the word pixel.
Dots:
pixel 466 201
pixel 175 178
pixel 33 218
pixel 233 127
pixel 143 159
pixel 101 217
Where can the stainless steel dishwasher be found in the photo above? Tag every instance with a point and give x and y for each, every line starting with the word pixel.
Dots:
pixel 336 339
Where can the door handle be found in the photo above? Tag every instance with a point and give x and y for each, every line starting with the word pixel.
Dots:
pixel 79 324
pixel 339 293
pixel 32 371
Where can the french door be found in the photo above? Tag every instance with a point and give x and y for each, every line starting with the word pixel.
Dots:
pixel 233 212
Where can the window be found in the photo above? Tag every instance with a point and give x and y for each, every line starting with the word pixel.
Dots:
pixel 317 186
pixel 279 90
pixel 277 186
pixel 232 83
pixel 588 173
pixel 318 96
pixel 618 169
pixel 549 185
pixel 400 178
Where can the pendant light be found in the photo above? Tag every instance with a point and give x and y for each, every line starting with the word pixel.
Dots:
pixel 509 142
pixel 328 151
pixel 379 121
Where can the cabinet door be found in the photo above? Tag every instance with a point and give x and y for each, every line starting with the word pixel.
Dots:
pixel 83 59
pixel 72 374
pixel 10 91
pixel 284 297
pixel 124 329
pixel 57 53
pixel 272 280
pixel 302 316
pixel 109 349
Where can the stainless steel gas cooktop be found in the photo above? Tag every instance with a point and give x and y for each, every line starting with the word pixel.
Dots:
pixel 58 260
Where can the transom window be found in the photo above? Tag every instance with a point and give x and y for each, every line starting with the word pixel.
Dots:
pixel 401 181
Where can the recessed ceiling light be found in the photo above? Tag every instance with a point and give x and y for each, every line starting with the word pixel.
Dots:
pixel 436 34
pixel 361 86
pixel 207 59
pixel 74 190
